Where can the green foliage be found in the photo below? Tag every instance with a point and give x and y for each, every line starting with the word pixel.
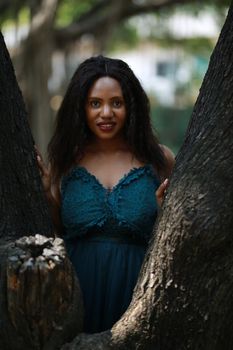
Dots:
pixel 195 45
pixel 19 10
pixel 21 16
pixel 124 36
pixel 14 11
pixel 219 3
pixel 171 125
pixel 70 10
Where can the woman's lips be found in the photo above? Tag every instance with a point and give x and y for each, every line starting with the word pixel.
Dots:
pixel 106 126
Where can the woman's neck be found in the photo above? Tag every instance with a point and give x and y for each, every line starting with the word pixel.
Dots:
pixel 108 146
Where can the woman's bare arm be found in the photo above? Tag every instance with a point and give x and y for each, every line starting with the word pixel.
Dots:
pixel 52 193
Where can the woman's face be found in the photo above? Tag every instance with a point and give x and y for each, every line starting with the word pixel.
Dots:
pixel 105 109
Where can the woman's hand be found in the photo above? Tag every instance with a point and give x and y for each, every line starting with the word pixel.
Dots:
pixel 52 193
pixel 160 193
pixel 170 161
pixel 44 173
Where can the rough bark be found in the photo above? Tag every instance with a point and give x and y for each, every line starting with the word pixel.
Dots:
pixel 22 204
pixel 43 303
pixel 183 298
pixel 40 300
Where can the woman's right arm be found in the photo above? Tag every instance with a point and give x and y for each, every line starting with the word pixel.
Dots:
pixel 52 192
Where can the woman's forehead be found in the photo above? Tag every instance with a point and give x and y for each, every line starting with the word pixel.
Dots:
pixel 105 85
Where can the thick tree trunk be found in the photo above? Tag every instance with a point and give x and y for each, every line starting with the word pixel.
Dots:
pixel 22 203
pixel 40 300
pixel 183 298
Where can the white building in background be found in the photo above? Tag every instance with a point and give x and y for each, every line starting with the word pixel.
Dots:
pixel 180 24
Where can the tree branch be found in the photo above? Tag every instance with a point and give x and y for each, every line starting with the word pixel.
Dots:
pixel 46 15
pixel 94 10
pixel 96 21
pixel 154 6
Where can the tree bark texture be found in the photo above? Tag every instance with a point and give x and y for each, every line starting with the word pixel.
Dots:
pixel 40 299
pixel 43 303
pixel 183 299
pixel 22 203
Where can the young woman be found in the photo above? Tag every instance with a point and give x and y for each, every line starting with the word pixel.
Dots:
pixel 106 166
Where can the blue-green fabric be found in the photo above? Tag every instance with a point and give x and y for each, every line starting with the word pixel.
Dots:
pixel 106 235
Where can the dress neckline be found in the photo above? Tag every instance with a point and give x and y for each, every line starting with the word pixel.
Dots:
pixel 131 172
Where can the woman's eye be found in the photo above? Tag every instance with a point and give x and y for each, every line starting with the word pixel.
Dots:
pixel 95 104
pixel 117 103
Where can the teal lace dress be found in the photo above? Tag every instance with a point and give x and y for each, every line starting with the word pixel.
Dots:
pixel 106 235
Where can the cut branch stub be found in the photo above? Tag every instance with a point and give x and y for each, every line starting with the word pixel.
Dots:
pixel 43 296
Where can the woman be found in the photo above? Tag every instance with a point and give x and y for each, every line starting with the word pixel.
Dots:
pixel 106 166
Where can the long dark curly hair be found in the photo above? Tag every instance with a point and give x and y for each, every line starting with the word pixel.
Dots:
pixel 72 134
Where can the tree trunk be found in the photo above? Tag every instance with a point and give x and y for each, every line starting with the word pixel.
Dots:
pixel 40 300
pixel 22 203
pixel 36 56
pixel 183 298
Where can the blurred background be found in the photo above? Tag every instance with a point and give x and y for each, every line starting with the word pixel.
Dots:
pixel 167 43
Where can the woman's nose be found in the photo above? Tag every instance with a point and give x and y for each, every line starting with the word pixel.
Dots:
pixel 106 111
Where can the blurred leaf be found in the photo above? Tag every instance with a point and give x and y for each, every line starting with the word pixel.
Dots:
pixel 124 36
pixel 70 10
pixel 171 124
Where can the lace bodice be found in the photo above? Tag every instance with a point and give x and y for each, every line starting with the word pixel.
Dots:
pixel 130 207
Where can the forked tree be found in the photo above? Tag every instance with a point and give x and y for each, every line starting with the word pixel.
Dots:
pixel 183 298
